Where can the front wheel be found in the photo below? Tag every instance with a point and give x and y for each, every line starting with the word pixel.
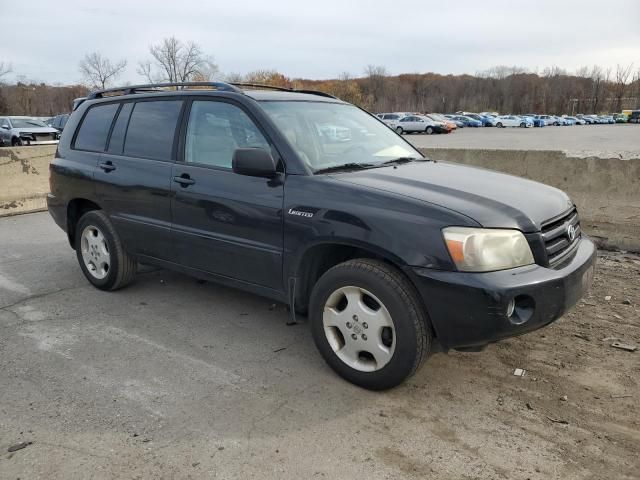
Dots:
pixel 368 323
pixel 499 125
pixel 100 253
pixel 523 125
pixel 429 130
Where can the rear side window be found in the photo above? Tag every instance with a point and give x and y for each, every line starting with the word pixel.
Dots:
pixel 152 129
pixel 95 127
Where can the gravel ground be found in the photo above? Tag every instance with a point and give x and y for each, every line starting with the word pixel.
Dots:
pixel 618 138
pixel 170 378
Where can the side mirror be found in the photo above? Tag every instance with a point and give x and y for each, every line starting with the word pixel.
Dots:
pixel 253 162
pixel 5 127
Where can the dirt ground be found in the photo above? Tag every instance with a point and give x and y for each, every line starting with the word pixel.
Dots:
pixel 170 378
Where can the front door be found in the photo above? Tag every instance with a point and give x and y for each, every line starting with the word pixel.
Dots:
pixel 224 223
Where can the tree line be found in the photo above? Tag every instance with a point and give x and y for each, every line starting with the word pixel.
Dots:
pixel 502 89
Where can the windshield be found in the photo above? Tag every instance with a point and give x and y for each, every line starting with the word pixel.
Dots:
pixel 27 123
pixel 329 135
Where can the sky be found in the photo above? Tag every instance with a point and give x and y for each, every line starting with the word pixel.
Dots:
pixel 45 40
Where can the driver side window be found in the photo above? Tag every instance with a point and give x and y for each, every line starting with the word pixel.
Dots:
pixel 216 130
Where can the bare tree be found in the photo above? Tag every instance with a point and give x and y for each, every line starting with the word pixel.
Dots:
pixel 175 61
pixel 98 71
pixel 620 83
pixel 5 68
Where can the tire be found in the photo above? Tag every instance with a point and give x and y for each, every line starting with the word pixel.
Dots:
pixel 399 130
pixel 98 244
pixel 523 125
pixel 387 299
pixel 499 125
pixel 429 130
pixel 16 142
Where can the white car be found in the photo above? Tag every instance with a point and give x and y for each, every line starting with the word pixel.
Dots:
pixel 392 119
pixel 418 123
pixel 512 121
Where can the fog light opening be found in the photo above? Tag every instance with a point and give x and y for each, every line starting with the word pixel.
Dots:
pixel 520 309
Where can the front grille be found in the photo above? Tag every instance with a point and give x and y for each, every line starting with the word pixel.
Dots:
pixel 44 137
pixel 556 236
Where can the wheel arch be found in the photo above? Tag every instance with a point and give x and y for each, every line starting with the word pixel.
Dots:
pixel 319 257
pixel 75 209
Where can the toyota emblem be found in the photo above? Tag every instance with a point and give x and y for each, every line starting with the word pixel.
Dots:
pixel 571 232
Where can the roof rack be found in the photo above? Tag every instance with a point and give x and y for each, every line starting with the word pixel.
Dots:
pixel 157 87
pixel 283 89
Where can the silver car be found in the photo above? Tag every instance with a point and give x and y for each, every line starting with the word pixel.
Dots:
pixel 16 131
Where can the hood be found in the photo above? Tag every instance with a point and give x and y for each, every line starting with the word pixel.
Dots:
pixel 494 200
pixel 37 130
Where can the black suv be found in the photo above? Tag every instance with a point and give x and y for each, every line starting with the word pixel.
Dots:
pixel 311 201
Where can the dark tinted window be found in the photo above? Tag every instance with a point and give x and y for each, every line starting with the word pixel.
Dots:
pixel 215 130
pixel 120 129
pixel 152 128
pixel 95 128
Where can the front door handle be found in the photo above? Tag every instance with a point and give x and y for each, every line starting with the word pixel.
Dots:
pixel 185 180
pixel 107 166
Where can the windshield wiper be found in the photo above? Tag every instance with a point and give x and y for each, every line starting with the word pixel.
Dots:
pixel 398 160
pixel 346 166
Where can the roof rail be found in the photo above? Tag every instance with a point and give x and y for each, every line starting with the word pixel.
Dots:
pixel 157 87
pixel 283 89
pixel 262 85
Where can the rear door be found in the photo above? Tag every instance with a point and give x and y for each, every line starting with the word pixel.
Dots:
pixel 134 176
pixel 224 223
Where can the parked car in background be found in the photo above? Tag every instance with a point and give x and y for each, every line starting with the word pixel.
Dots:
pixel 537 122
pixel 621 118
pixel 458 123
pixel 513 121
pixel 575 120
pixel 587 118
pixel 59 121
pixel 17 131
pixel 419 124
pixel 635 116
pixel 548 119
pixel 468 121
pixel 607 119
pixel 485 120
pixel 437 117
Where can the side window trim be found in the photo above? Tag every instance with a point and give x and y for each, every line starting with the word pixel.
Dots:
pixel 182 145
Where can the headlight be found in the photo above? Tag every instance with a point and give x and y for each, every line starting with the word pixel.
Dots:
pixel 486 250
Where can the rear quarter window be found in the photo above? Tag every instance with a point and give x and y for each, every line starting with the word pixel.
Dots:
pixel 95 127
pixel 152 129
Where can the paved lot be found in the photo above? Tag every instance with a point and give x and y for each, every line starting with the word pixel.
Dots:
pixel 174 379
pixel 591 138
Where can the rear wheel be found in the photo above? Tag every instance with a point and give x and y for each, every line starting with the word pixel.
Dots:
pixel 399 130
pixel 100 253
pixel 368 323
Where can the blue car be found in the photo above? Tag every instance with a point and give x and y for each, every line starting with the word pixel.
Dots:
pixel 537 122
pixel 485 120
pixel 468 121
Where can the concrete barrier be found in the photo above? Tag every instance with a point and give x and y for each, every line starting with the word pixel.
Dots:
pixel 24 179
pixel 605 188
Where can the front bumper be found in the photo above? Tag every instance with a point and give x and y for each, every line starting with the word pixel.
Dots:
pixel 470 309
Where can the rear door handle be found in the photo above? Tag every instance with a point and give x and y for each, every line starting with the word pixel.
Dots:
pixel 184 180
pixel 107 166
